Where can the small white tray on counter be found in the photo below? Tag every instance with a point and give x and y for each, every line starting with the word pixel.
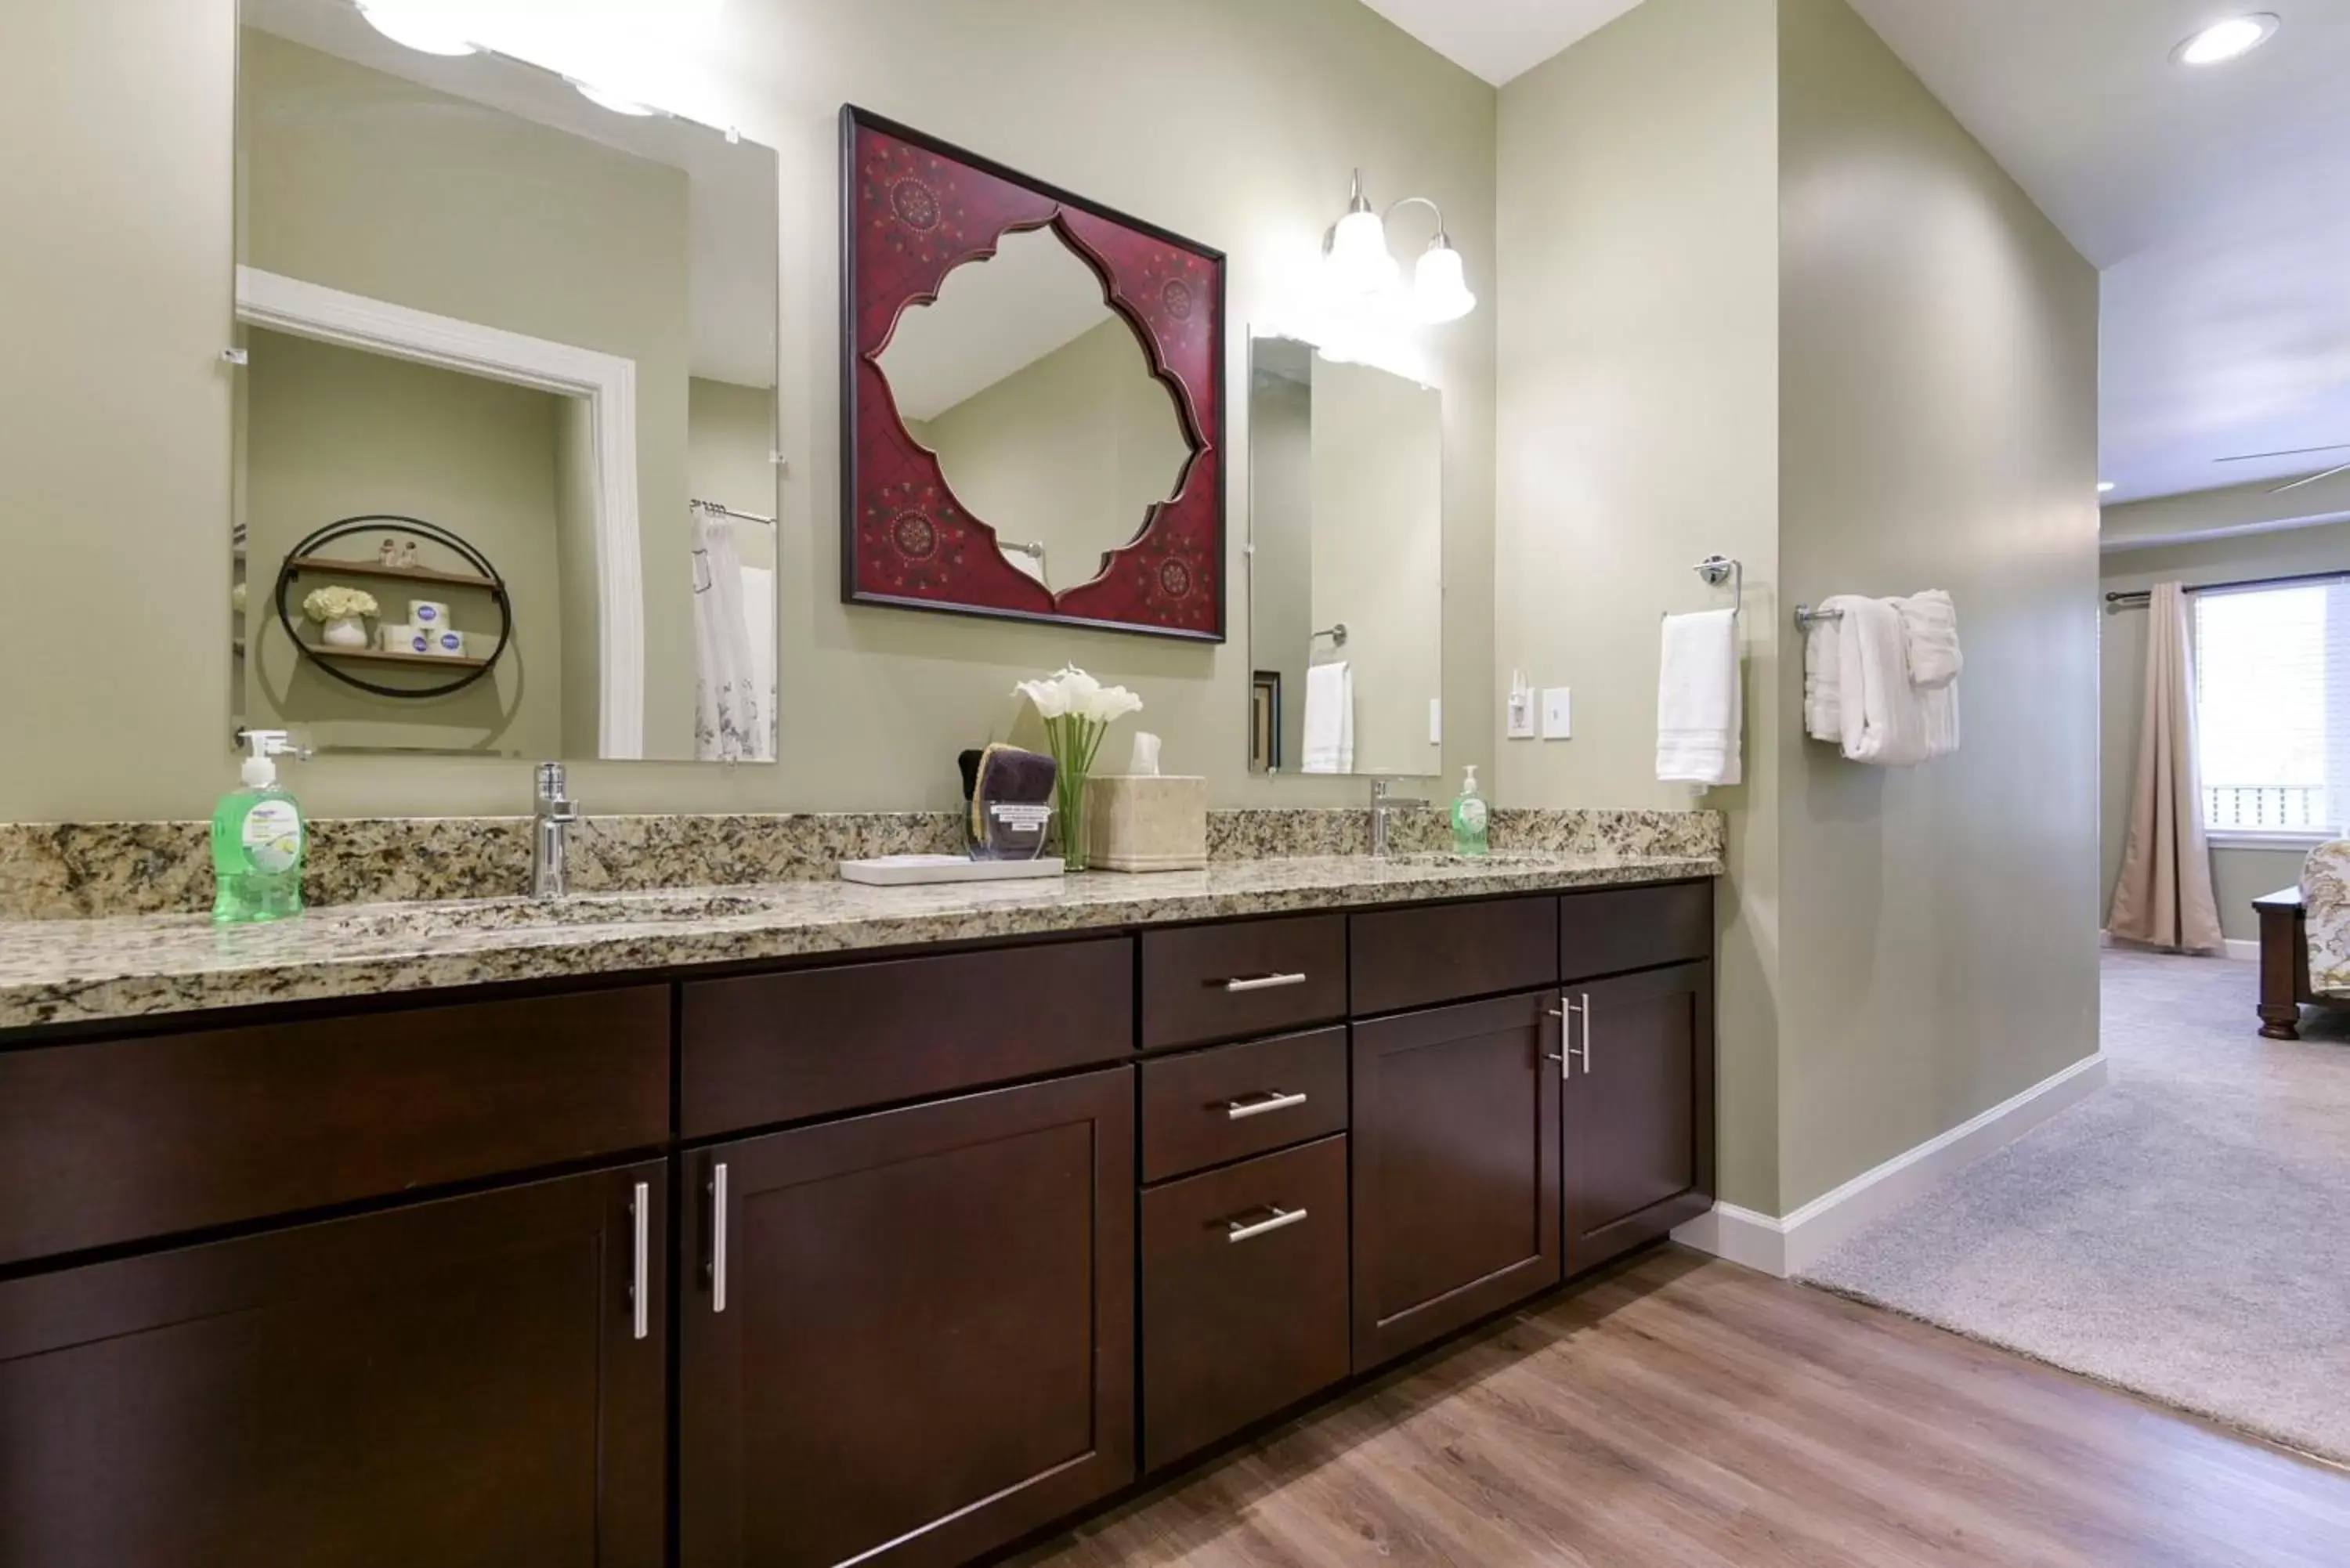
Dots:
pixel 907 870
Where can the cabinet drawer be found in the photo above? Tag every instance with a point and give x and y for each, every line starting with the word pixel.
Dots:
pixel 784 1047
pixel 115 1141
pixel 1211 1107
pixel 1447 952
pixel 1243 1307
pixel 1204 983
pixel 1634 927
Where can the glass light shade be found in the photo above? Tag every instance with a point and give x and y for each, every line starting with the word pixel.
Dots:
pixel 1439 290
pixel 1358 265
pixel 429 29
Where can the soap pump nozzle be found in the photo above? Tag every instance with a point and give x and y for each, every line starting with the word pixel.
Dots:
pixel 260 769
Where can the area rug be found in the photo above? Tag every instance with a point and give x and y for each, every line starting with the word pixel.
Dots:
pixel 2184 1233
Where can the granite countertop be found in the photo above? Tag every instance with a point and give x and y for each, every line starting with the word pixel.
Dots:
pixel 72 971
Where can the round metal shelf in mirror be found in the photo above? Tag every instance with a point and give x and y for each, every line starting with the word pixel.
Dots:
pixel 312 558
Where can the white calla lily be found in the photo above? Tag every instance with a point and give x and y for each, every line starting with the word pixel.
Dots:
pixel 1077 711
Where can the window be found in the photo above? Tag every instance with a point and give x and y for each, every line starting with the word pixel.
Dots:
pixel 2272 709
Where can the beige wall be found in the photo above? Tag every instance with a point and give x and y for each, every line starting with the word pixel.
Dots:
pixel 118 376
pixel 1377 482
pixel 336 432
pixel 519 226
pixel 1939 399
pixel 1071 450
pixel 730 440
pixel 1639 385
pixel 2239 876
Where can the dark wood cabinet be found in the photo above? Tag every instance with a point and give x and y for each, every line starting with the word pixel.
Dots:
pixel 462 1383
pixel 1638 1118
pixel 925 1342
pixel 1244 1296
pixel 1456 1189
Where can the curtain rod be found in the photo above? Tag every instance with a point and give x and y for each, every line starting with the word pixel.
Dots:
pixel 2137 600
pixel 730 512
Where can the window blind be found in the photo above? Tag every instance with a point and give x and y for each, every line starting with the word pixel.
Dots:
pixel 2273 708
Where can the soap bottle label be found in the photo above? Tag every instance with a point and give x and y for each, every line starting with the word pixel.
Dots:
pixel 272 836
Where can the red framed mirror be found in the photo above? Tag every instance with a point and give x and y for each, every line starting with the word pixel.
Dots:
pixel 1032 395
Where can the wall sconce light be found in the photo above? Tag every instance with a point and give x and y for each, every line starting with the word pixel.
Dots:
pixel 1361 274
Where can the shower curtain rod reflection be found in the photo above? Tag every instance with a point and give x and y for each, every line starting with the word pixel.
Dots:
pixel 2137 600
pixel 730 512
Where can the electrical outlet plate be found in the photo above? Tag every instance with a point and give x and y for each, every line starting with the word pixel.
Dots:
pixel 1520 723
pixel 1557 714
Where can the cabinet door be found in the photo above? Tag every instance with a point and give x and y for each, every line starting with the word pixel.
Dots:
pixel 459 1382
pixel 1639 1109
pixel 1455 1136
pixel 910 1337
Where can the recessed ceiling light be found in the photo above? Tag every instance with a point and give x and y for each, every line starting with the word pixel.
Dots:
pixel 2104 487
pixel 603 98
pixel 2227 40
pixel 432 30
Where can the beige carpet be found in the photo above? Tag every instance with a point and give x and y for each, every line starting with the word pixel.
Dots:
pixel 2185 1233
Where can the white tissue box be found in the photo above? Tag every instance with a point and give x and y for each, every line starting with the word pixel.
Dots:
pixel 426 616
pixel 447 642
pixel 398 640
pixel 1146 822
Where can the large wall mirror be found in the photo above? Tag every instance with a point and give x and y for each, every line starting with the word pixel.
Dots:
pixel 1346 566
pixel 510 359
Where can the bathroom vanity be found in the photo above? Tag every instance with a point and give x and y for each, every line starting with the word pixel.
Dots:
pixel 893 1249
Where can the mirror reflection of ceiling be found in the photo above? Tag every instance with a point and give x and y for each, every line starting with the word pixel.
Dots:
pixel 1038 399
pixel 731 200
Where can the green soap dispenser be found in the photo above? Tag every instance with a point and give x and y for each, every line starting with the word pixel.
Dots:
pixel 258 839
pixel 1469 818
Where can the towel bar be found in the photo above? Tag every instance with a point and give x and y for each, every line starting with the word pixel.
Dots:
pixel 1807 618
pixel 1717 569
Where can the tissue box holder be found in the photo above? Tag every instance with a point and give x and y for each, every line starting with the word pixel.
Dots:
pixel 1153 822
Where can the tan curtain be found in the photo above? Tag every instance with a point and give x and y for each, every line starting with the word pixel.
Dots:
pixel 2164 896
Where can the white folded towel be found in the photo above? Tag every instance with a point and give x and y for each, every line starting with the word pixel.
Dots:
pixel 1823 707
pixel 1330 719
pixel 1929 631
pixel 1700 714
pixel 1884 721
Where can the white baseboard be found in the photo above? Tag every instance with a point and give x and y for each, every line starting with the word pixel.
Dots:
pixel 2237 948
pixel 1788 1246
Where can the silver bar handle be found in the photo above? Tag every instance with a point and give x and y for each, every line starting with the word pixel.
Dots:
pixel 1271 1100
pixel 1265 981
pixel 1282 1218
pixel 718 1237
pixel 1262 983
pixel 1586 1011
pixel 641 1293
pixel 1564 1054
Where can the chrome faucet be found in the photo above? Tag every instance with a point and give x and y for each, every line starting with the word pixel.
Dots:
pixel 550 838
pixel 1383 805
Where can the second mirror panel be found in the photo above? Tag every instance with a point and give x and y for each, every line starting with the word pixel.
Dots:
pixel 1040 403
pixel 1345 565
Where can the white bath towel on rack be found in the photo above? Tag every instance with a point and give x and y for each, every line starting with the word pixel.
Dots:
pixel 1330 718
pixel 1887 722
pixel 1822 690
pixel 1700 714
pixel 1930 633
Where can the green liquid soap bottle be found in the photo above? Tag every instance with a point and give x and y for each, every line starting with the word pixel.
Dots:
pixel 1469 818
pixel 258 839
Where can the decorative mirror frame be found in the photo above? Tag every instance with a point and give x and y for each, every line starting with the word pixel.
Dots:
pixel 914 208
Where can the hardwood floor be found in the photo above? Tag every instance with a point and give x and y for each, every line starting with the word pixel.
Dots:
pixel 1686 1412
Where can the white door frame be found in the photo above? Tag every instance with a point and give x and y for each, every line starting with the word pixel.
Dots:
pixel 607 382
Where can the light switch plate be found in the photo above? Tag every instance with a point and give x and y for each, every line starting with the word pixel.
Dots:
pixel 1557 714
